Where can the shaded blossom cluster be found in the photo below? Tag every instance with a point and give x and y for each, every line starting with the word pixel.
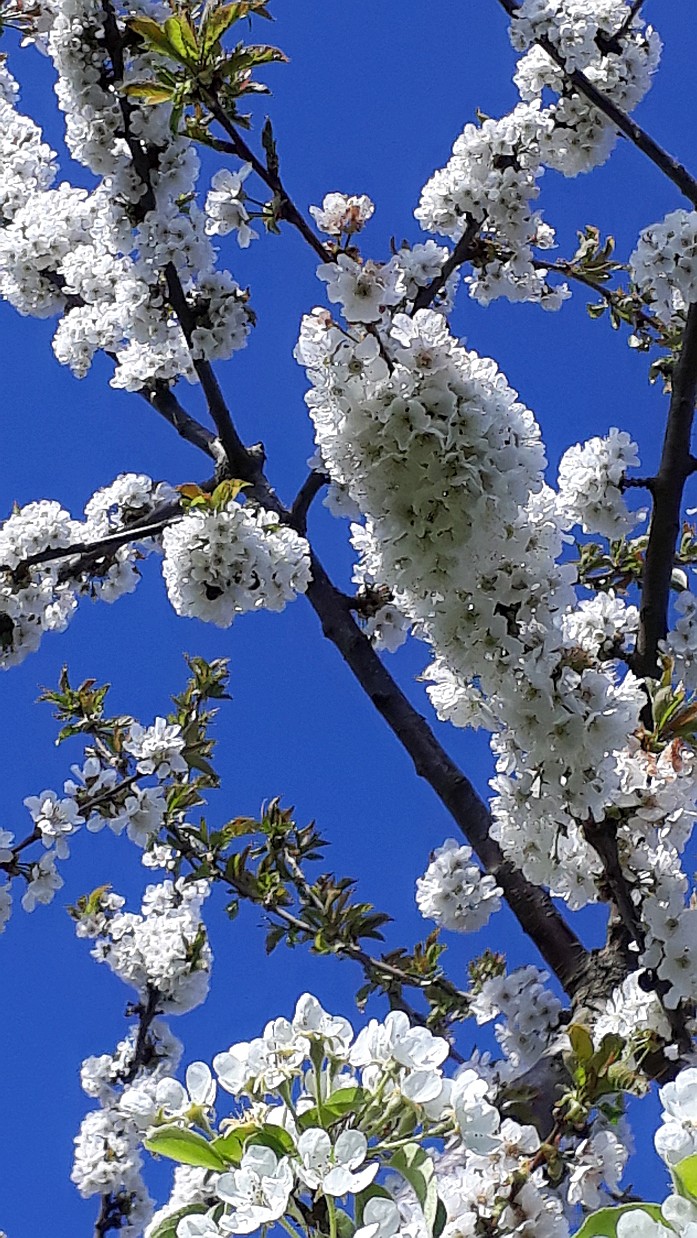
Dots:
pixel 42 597
pixel 218 564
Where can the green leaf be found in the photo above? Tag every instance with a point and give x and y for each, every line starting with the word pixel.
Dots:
pixel 685 1175
pixel 182 38
pixel 264 53
pixel 152 33
pixel 344 1224
pixel 218 22
pixel 603 1224
pixel 184 1146
pixel 276 1138
pixel 416 1167
pixel 441 1219
pixel 168 1227
pixel 269 144
pixel 149 92
pixel 230 1146
pixel 581 1042
pixel 341 1102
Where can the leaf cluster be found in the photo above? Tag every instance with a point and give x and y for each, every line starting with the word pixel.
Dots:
pixel 196 68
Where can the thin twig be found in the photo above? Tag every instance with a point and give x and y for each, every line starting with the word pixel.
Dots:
pixel 609 295
pixel 643 141
pixel 290 211
pixel 104 545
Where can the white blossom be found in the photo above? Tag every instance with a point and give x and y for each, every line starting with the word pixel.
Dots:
pixel 454 893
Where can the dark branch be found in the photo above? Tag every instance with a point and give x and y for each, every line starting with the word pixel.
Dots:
pixel 289 210
pixel 667 490
pixel 462 253
pixel 302 502
pixel 96 550
pixel 232 444
pixel 536 913
pixel 167 405
pixel 116 1206
pixel 602 837
pixel 641 139
pixel 627 23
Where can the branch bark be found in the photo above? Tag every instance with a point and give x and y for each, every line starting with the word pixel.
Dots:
pixel 667 491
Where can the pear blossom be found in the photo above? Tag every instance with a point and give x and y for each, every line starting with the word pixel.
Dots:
pixel 335 1169
pixel 257 1192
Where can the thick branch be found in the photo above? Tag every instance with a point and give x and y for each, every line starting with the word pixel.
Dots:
pixel 303 500
pixel 167 405
pixel 643 141
pixel 536 913
pixel 667 490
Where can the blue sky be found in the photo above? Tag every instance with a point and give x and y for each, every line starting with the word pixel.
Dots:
pixel 371 102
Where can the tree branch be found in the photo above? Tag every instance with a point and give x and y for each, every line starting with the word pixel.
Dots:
pixel 290 211
pixel 667 490
pixel 462 253
pixel 627 23
pixel 643 141
pixel 537 915
pixel 136 533
pixel 302 502
pixel 164 401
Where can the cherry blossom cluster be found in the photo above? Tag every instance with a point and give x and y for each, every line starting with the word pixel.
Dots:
pixel 590 476
pixel 454 892
pixel 617 55
pixel 681 641
pixel 163 954
pixel 126 795
pixel 529 1014
pixel 102 259
pixel 225 206
pixel 446 466
pixel 218 564
pixel 43 597
pixel 664 266
pixel 492 176
pixel 655 812
pixel 28 164
pixel 342 213
pixel 491 180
